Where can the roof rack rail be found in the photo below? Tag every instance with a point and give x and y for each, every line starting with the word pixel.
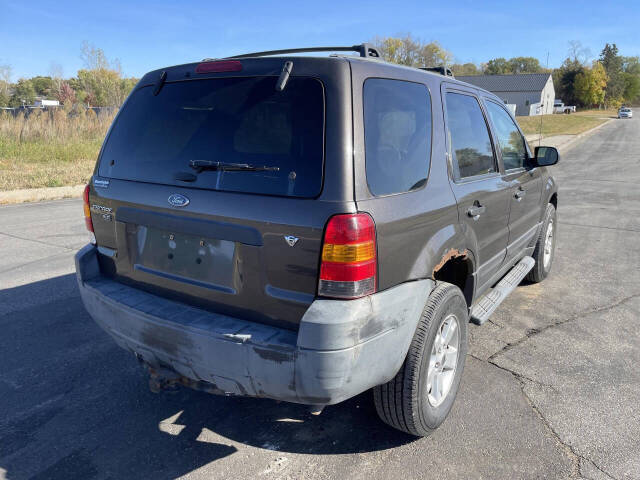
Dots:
pixel 365 50
pixel 446 71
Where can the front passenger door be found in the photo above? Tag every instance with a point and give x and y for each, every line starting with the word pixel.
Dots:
pixel 481 192
pixel 526 185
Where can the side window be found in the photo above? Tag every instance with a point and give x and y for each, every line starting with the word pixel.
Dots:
pixel 468 136
pixel 514 153
pixel 397 134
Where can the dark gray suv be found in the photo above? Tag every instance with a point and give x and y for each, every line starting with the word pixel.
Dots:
pixel 308 228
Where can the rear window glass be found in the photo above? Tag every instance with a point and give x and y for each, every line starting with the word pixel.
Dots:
pixel 397 131
pixel 229 120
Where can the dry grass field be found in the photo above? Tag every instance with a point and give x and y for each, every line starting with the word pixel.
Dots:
pixel 49 149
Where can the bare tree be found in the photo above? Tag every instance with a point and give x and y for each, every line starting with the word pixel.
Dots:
pixel 5 82
pixel 56 70
pixel 57 78
pixel 93 57
pixel 579 53
pixel 5 73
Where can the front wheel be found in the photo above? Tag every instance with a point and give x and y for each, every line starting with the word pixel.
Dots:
pixel 545 248
pixel 421 395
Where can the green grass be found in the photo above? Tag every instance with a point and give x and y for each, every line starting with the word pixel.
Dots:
pixel 49 150
pixel 41 164
pixel 611 113
pixel 560 124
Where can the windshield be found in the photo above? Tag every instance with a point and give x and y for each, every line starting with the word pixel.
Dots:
pixel 228 120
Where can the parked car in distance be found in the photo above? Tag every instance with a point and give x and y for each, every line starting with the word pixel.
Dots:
pixel 560 107
pixel 308 228
pixel 625 112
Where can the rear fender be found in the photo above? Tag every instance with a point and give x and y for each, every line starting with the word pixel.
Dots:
pixel 449 242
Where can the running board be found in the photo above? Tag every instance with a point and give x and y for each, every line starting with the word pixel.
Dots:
pixel 483 309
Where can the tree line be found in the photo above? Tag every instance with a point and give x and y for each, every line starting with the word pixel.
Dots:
pixel 610 80
pixel 100 83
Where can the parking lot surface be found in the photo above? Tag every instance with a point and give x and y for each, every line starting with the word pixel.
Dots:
pixel 551 388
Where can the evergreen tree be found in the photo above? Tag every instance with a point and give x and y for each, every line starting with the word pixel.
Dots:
pixel 612 63
pixel 564 80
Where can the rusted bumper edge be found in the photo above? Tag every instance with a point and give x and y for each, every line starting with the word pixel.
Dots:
pixel 342 348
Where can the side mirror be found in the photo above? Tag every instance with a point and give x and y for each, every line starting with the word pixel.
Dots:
pixel 546 156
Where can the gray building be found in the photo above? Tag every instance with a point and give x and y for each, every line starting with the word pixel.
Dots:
pixel 532 93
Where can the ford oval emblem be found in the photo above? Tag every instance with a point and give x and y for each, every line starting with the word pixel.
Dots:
pixel 177 200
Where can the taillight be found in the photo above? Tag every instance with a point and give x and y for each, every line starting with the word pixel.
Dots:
pixel 349 267
pixel 87 214
pixel 219 66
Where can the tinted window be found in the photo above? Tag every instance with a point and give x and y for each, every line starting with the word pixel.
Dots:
pixel 397 132
pixel 236 120
pixel 468 136
pixel 514 153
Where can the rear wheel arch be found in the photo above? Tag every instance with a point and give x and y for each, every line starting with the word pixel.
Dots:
pixel 457 267
pixel 449 256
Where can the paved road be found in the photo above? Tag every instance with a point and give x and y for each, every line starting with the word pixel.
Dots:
pixel 551 388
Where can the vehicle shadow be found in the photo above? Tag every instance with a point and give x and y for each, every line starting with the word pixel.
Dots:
pixel 77 406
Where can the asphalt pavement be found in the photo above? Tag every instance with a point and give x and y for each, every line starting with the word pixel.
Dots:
pixel 551 388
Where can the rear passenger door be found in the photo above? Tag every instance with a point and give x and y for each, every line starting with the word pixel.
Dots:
pixel 481 192
pixel 526 185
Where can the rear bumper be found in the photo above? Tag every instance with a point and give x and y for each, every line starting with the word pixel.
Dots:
pixel 343 347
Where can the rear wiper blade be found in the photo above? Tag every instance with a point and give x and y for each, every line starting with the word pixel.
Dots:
pixel 201 165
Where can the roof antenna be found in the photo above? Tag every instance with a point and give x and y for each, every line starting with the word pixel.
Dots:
pixel 284 75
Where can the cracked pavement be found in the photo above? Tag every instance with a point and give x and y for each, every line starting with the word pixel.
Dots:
pixel 551 387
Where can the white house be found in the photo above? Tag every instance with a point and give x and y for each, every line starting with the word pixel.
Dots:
pixel 532 93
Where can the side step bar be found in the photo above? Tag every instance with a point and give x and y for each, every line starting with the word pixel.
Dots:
pixel 483 309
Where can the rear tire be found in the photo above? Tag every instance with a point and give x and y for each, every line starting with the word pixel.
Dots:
pixel 421 395
pixel 545 248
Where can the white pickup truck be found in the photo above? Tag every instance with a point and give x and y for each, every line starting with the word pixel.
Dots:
pixel 560 107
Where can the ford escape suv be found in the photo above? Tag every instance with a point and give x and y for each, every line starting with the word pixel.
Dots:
pixel 307 228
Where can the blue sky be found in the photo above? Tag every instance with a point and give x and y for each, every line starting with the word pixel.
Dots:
pixel 146 35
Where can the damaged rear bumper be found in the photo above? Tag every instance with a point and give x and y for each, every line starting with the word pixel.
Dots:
pixel 342 348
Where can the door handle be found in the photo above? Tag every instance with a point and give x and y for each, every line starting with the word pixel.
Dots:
pixel 520 192
pixel 476 210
